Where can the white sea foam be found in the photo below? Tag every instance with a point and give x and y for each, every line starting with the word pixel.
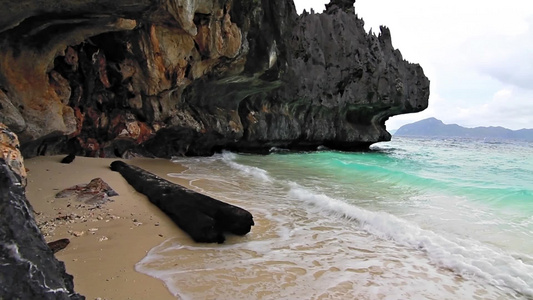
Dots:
pixel 297 259
pixel 302 255
pixel 311 251
pixel 465 257
pixel 258 173
pixel 227 158
pixel 278 150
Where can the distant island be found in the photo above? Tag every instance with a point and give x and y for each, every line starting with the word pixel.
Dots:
pixel 436 128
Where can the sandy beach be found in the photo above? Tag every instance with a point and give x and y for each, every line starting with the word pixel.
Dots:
pixel 106 241
pixel 303 245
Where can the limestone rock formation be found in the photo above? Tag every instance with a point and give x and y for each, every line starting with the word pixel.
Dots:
pixel 189 77
pixel 28 268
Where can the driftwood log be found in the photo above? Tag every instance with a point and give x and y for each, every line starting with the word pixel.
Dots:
pixel 205 219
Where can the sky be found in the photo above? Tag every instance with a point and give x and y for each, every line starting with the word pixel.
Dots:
pixel 478 55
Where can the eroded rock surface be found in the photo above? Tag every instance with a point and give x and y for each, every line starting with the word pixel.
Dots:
pixel 97 191
pixel 189 77
pixel 10 153
pixel 28 268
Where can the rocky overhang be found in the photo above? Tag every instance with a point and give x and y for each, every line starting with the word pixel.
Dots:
pixel 191 77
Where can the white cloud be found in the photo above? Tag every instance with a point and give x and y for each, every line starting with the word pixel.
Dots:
pixel 317 5
pixel 511 60
pixel 510 107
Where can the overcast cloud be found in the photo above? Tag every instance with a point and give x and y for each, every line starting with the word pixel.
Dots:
pixel 478 55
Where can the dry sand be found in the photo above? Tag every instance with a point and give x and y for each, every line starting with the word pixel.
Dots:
pixel 106 241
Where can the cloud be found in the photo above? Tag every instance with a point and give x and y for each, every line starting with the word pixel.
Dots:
pixel 510 107
pixel 317 5
pixel 510 61
pixel 437 30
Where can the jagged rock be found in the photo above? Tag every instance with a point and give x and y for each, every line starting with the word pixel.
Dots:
pixel 28 268
pixel 347 84
pixel 345 5
pixel 10 153
pixel 205 219
pixel 96 191
pixel 9 114
pixel 199 75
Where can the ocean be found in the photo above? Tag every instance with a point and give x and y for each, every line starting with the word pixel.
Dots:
pixel 410 219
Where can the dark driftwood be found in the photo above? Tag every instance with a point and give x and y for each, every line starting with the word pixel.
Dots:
pixel 68 159
pixel 205 219
pixel 58 245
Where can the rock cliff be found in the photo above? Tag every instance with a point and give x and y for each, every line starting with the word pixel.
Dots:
pixel 28 268
pixel 189 77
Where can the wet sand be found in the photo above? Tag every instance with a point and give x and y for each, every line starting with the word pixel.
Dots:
pixel 106 241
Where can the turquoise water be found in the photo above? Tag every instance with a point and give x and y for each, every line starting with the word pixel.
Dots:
pixel 416 218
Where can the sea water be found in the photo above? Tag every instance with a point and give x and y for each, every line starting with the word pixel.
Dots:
pixel 410 219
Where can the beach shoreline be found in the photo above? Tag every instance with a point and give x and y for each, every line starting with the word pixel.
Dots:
pixel 308 241
pixel 107 240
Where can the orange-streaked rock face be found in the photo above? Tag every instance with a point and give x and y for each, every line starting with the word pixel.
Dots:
pixel 189 77
pixel 10 151
pixel 163 56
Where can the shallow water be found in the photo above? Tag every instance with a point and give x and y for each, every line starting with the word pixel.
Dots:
pixel 412 219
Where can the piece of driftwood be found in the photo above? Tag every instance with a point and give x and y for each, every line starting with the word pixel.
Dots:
pixel 205 219
pixel 68 159
pixel 58 245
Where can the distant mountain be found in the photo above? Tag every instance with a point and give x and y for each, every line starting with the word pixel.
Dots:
pixel 436 128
